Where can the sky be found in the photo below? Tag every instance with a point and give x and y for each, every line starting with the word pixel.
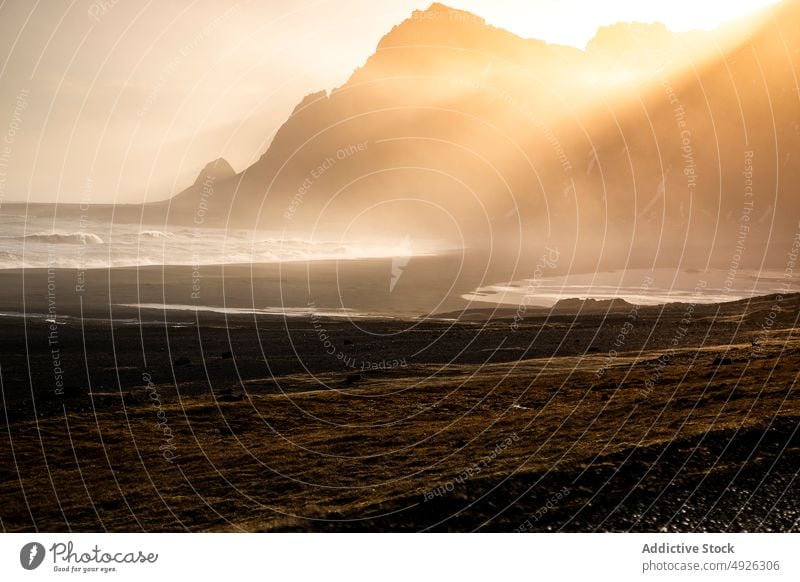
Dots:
pixel 115 101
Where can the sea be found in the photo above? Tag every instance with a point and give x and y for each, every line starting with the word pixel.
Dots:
pixel 32 242
pixel 28 241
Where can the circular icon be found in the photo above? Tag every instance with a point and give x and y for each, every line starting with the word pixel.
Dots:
pixel 31 555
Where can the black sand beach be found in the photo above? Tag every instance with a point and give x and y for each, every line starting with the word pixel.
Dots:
pixel 676 418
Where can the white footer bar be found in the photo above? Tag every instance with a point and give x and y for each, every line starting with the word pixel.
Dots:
pixel 400 557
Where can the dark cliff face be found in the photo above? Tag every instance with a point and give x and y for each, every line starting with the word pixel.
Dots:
pixel 649 145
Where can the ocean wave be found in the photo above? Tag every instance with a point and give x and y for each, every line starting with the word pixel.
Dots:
pixel 86 238
pixel 155 234
pixel 10 260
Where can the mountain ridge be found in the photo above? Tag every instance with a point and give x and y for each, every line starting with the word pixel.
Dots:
pixel 517 108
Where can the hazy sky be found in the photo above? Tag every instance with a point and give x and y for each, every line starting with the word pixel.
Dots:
pixel 123 101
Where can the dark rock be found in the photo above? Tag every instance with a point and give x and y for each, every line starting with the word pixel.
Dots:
pixel 227 355
pixel 230 398
pixel 182 361
pixel 228 395
pixel 721 361
pixel 351 379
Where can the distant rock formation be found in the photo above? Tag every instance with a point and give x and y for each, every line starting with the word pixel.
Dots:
pixel 592 305
pixel 194 204
pixel 215 171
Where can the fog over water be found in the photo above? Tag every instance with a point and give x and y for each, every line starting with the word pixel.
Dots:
pixel 30 242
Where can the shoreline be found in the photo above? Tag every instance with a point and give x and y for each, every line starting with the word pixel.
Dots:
pixel 429 286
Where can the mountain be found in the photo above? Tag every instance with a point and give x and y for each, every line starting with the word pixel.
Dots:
pixel 196 199
pixel 648 147
pixel 219 169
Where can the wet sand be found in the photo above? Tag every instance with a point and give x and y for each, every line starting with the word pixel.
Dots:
pixel 406 287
